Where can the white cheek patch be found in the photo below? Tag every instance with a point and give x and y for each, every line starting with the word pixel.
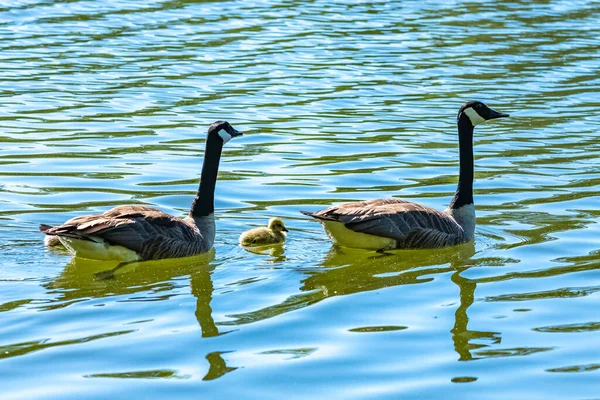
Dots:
pixel 473 116
pixel 225 136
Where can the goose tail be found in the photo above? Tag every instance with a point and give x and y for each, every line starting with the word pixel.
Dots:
pixel 56 231
pixel 44 228
pixel 317 215
pixel 50 240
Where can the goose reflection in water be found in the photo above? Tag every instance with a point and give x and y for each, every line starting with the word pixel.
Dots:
pixel 342 272
pixel 348 271
pixel 408 267
pixel 79 280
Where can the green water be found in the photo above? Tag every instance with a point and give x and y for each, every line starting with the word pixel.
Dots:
pixel 107 102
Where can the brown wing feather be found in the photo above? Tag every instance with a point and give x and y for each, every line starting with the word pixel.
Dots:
pixel 145 230
pixel 411 225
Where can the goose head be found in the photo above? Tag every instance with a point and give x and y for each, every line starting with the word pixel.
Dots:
pixel 475 112
pixel 276 225
pixel 224 130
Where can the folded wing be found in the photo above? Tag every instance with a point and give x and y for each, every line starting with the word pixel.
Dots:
pixel 149 232
pixel 410 225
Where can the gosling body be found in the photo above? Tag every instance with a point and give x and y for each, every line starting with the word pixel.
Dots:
pixel 273 233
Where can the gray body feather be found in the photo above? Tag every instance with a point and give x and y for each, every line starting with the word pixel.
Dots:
pixel 151 233
pixel 411 225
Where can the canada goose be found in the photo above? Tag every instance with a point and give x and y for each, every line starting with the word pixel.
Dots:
pixel 132 233
pixel 390 223
pixel 271 234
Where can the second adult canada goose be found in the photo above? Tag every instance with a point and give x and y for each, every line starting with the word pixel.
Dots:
pixel 273 233
pixel 131 233
pixel 390 223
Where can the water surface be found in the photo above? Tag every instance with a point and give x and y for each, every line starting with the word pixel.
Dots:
pixel 104 103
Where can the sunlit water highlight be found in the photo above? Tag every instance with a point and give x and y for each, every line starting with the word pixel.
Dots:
pixel 104 103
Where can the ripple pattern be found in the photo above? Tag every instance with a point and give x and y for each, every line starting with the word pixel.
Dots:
pixel 107 102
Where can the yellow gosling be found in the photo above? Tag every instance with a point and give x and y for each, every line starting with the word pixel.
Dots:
pixel 272 234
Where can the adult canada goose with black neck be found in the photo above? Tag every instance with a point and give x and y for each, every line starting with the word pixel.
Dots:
pixel 400 224
pixel 131 233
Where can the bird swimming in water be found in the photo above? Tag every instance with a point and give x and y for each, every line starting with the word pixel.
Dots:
pixel 138 233
pixel 399 224
pixel 273 233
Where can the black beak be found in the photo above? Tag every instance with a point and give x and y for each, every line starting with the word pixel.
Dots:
pixel 496 114
pixel 236 133
pixel 284 229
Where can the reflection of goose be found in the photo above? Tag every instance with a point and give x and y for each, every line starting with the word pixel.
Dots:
pixel 347 271
pixel 153 279
pixel 273 233
pixel 77 280
pixel 351 271
pixel 129 233
pixel 389 223
pixel 467 340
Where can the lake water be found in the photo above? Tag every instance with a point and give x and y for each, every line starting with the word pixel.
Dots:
pixel 107 102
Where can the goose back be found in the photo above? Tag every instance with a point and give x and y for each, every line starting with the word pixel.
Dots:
pixel 150 233
pixel 405 224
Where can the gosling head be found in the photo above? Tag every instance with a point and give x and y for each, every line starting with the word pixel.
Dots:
pixel 276 225
pixel 223 130
pixel 476 112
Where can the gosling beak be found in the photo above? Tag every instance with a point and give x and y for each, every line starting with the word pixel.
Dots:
pixel 495 114
pixel 236 133
pixel 284 229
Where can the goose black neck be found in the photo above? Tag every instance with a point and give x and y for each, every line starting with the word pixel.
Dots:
pixel 204 203
pixel 464 190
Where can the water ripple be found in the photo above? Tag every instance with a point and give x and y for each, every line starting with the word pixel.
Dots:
pixel 105 102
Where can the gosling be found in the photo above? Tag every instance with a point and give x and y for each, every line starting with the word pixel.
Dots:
pixel 272 234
